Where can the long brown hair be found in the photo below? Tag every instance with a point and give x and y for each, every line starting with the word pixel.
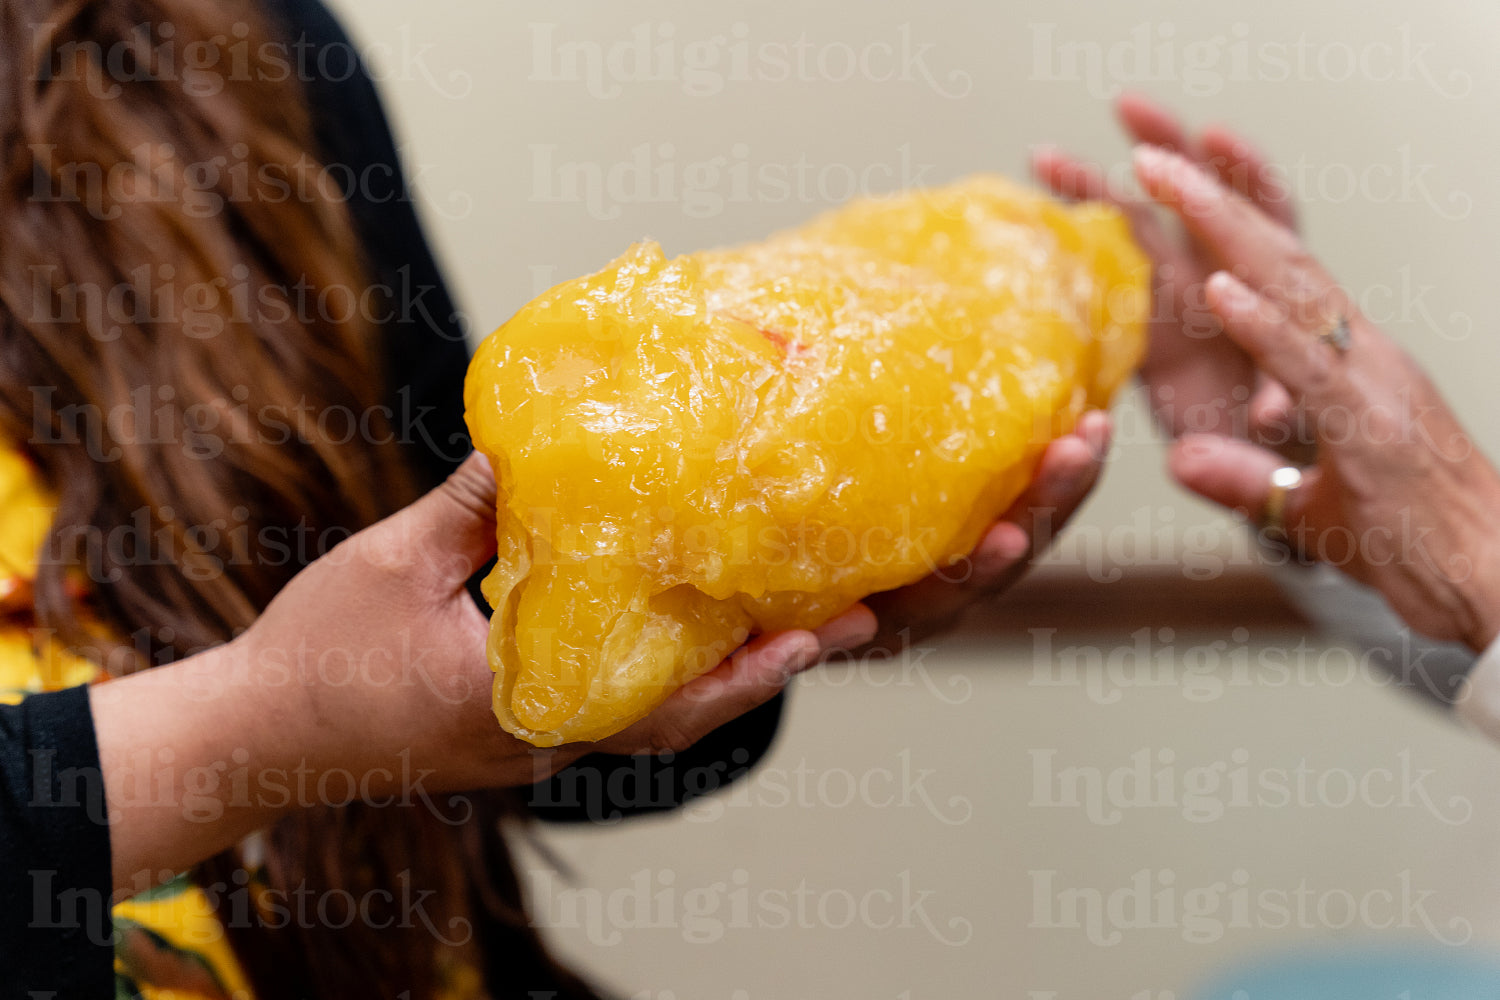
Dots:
pixel 169 356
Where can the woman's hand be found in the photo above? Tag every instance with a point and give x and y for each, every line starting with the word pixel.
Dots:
pixel 1398 496
pixel 1068 470
pixel 366 678
pixel 1197 379
pixel 395 595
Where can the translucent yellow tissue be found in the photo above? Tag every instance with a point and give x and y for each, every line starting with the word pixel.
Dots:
pixel 733 441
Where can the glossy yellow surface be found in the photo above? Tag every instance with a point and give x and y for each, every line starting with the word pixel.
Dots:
pixel 735 441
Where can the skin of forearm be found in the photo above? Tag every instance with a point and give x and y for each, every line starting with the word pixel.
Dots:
pixel 181 748
pixel 198 754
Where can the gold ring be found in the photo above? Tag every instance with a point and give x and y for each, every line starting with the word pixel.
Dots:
pixel 1283 481
pixel 1336 334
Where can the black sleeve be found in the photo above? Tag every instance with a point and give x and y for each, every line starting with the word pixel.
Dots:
pixel 55 932
pixel 426 356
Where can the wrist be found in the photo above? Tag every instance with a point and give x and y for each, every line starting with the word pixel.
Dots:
pixel 1480 591
pixel 392 724
pixel 184 750
pixel 319 721
pixel 1482 604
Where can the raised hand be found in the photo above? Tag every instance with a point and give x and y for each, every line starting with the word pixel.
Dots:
pixel 1397 496
pixel 1197 379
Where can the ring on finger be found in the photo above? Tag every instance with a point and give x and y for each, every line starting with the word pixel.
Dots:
pixel 1273 515
pixel 1337 334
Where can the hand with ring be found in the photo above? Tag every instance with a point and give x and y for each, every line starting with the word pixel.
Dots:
pixel 1398 495
pixel 1258 358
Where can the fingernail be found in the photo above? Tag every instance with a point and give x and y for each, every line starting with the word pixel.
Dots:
pixel 1230 291
pixel 1151 165
pixel 849 630
pixel 1194 187
pixel 1199 191
pixel 1149 159
pixel 1004 546
pixel 1096 429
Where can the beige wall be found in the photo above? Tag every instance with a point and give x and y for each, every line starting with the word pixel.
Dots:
pixel 1394 162
pixel 1396 174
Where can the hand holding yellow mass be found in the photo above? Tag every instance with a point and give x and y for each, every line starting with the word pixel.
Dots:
pixel 693 450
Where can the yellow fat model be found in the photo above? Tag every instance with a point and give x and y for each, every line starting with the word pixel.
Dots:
pixel 690 451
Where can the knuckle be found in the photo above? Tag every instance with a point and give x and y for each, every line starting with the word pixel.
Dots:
pixel 1304 285
pixel 383 556
pixel 671 735
pixel 1384 428
pixel 1325 380
pixel 471 488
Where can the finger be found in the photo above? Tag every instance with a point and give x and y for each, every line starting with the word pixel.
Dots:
pixel 1277 422
pixel 1241 166
pixel 1153 124
pixel 1271 408
pixel 752 676
pixel 1234 160
pixel 1068 177
pixel 1148 122
pixel 1290 353
pixel 1068 471
pixel 1072 179
pixel 850 630
pixel 1242 238
pixel 1237 474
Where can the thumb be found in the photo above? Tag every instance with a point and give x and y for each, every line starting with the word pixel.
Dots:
pixel 452 528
